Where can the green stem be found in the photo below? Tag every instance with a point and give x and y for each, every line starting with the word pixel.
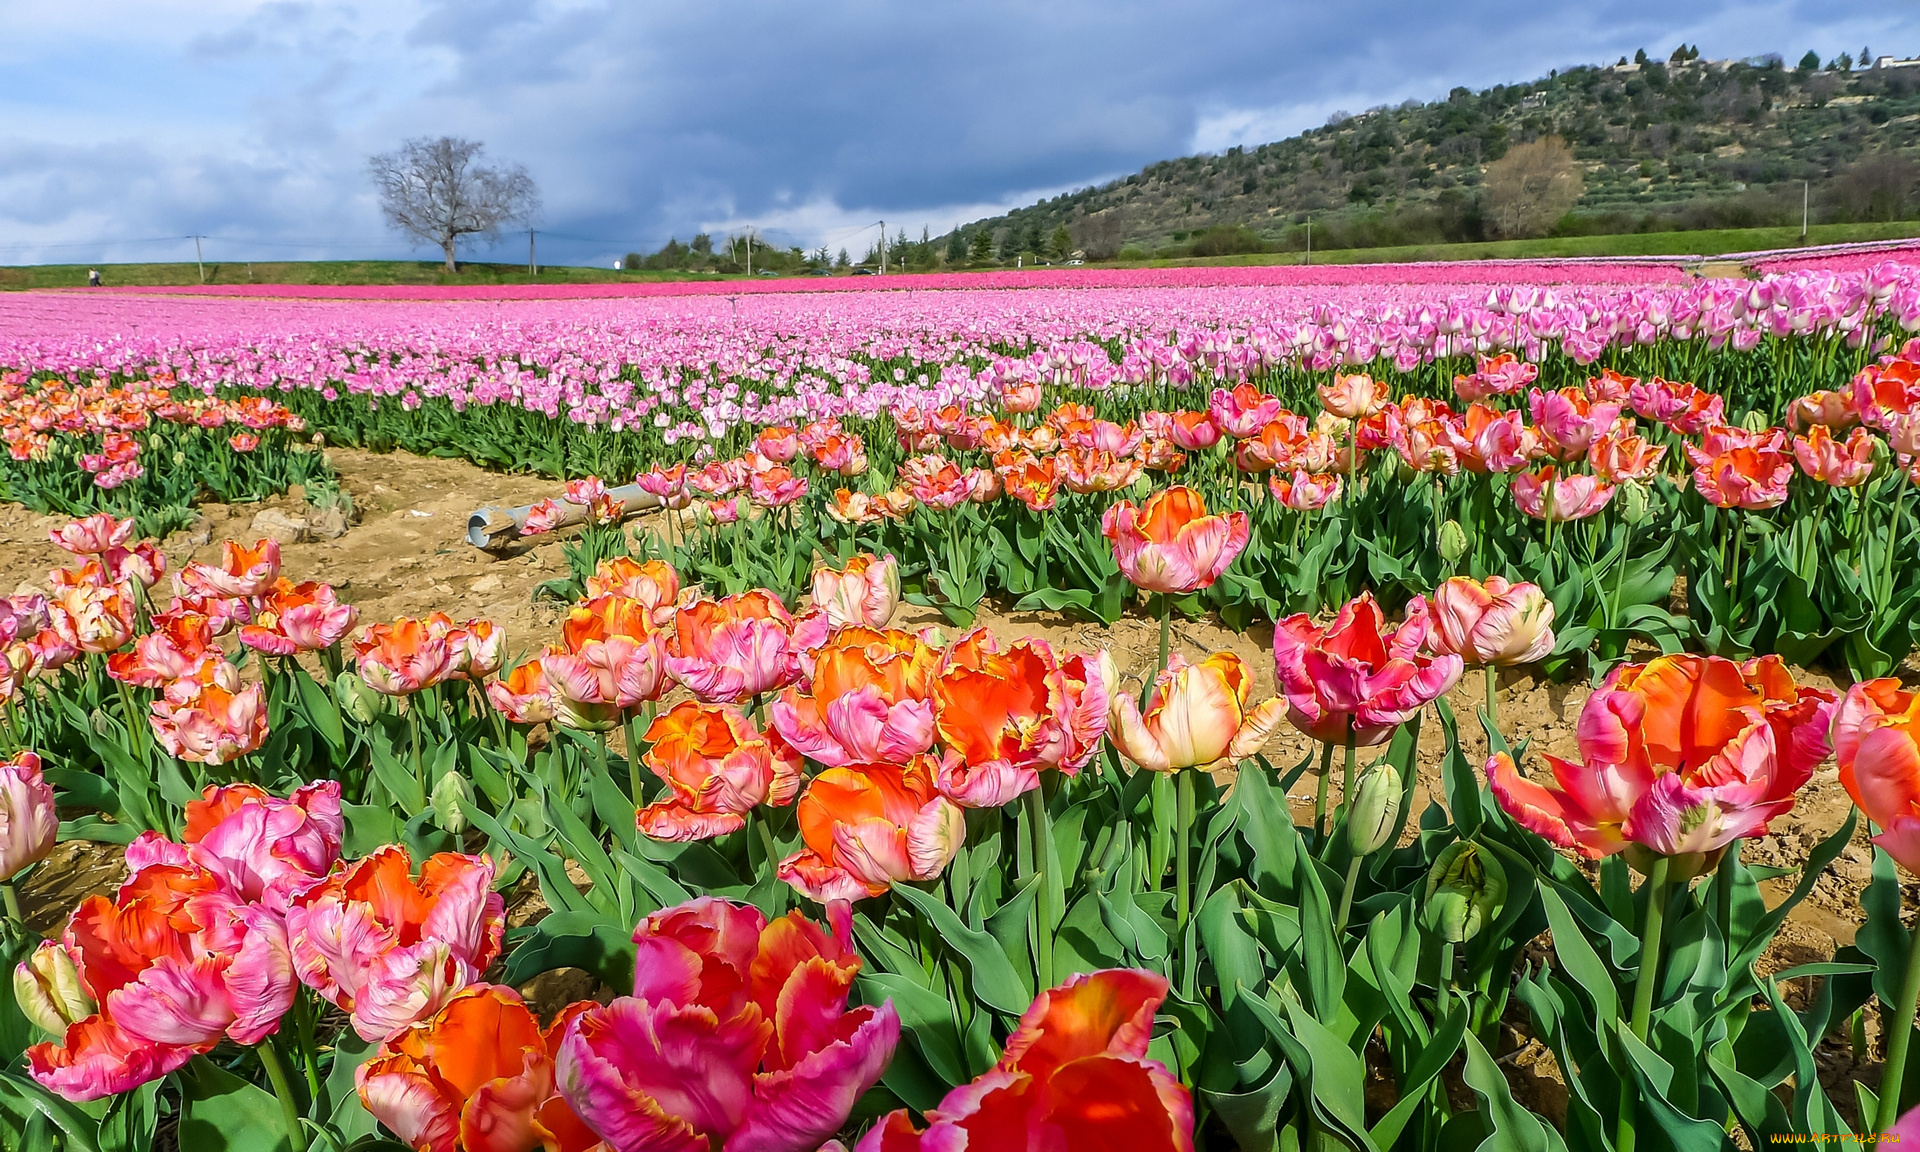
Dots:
pixel 1893 540
pixel 1346 898
pixel 1493 698
pixel 633 760
pixel 1320 793
pixel 12 898
pixel 1038 833
pixel 1166 644
pixel 1346 777
pixel 283 1090
pixel 1183 833
pixel 136 723
pixel 1893 1073
pixel 1644 983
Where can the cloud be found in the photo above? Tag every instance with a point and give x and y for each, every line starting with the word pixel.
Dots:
pixel 252 120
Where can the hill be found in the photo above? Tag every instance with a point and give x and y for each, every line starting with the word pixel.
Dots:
pixel 1681 144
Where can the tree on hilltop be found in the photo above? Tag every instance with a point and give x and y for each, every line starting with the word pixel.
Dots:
pixel 432 190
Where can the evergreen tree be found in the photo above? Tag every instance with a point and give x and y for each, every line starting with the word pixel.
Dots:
pixel 980 250
pixel 956 246
pixel 1810 62
pixel 1060 244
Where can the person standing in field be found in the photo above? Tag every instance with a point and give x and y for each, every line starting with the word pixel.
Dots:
pixel 93 277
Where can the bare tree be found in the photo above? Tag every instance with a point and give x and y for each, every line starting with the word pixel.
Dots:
pixel 1532 187
pixel 432 190
pixel 1101 234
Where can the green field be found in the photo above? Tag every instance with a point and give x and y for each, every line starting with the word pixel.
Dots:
pixel 1706 243
pixel 320 272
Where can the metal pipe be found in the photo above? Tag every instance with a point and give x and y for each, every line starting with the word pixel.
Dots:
pixel 486 525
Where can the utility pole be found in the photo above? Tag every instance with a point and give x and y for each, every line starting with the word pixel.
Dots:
pixel 1309 258
pixel 883 247
pixel 533 264
pixel 1806 193
pixel 198 259
pixel 749 249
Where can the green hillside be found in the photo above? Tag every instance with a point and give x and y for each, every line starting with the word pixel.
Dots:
pixel 1660 146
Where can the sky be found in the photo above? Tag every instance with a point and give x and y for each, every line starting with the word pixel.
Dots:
pixel 128 126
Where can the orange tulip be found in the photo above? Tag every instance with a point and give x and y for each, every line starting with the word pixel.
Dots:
pixel 654 584
pixel 1353 397
pixel 868 702
pixel 477 1077
pixel 869 826
pixel 404 657
pixel 717 767
pixel 1004 715
pixel 1169 544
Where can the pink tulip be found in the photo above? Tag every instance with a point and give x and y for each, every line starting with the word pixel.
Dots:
pixel 1170 544
pixel 1491 623
pixel 28 823
pixel 730 650
pixel 1243 412
pixel 1303 492
pixel 865 592
pixel 390 950
pixel 295 618
pixel 266 850
pixel 1573 497
pixel 176 963
pixel 1840 465
pixel 757 1010
pixel 94 536
pixel 1568 421
pixel 1734 468
pixel 1355 675
pixel 93 619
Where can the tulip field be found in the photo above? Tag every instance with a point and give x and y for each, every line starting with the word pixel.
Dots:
pixel 823 861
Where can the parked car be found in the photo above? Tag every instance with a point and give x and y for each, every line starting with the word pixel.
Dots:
pixel 864 272
pixel 821 272
pixel 766 272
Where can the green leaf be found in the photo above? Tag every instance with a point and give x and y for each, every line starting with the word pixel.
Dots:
pixel 220 1112
pixel 925 1015
pixel 994 980
pixel 1655 1077
pixel 350 1120
pixel 79 1130
pixel 1514 1128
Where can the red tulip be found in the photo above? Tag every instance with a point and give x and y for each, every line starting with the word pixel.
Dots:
pixel 1074 1077
pixel 1170 544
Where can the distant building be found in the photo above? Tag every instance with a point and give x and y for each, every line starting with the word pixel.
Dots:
pixel 1892 62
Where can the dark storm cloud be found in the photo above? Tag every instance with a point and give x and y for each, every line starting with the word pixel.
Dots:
pixel 641 119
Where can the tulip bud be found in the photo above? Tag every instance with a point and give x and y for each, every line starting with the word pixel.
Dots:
pixel 450 799
pixel 1142 487
pixel 1466 888
pixel 1453 542
pixel 357 699
pixel 1403 471
pixel 1636 502
pixel 1755 421
pixel 47 987
pixel 1375 809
